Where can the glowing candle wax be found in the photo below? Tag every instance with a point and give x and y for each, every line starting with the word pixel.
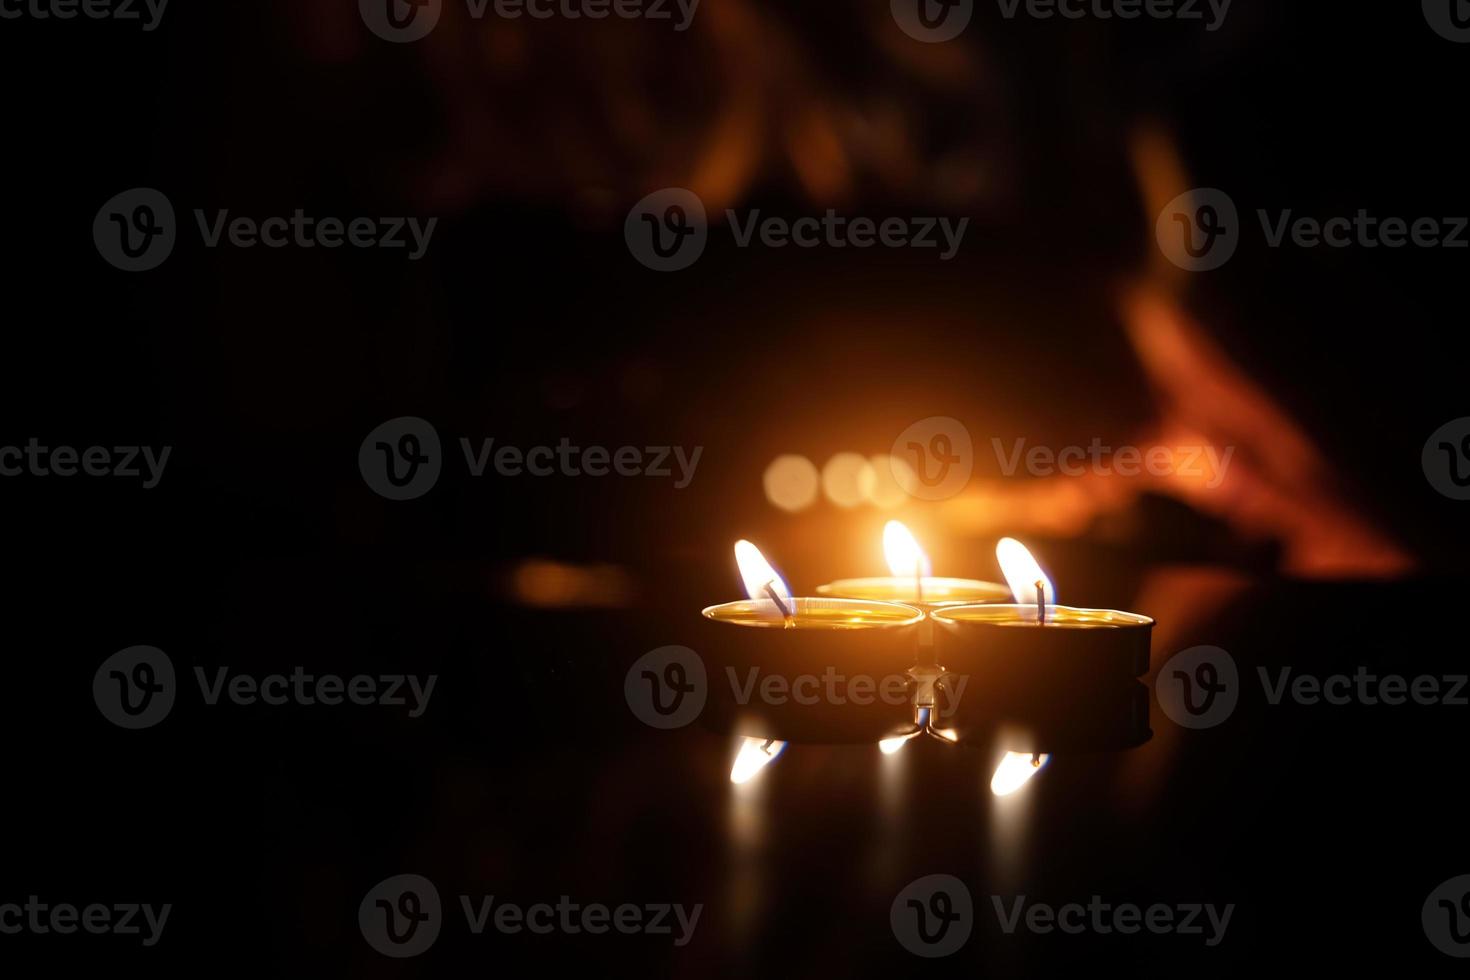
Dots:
pixel 911 582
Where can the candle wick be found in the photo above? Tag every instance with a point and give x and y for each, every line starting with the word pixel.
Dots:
pixel 776 598
pixel 1040 603
pixel 919 581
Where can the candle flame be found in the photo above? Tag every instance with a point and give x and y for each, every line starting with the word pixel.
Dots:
pixel 755 754
pixel 1022 573
pixel 1015 770
pixel 905 558
pixel 757 573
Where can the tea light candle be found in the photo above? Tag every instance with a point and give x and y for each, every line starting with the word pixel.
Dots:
pixel 910 581
pixel 912 584
pixel 776 637
pixel 1048 677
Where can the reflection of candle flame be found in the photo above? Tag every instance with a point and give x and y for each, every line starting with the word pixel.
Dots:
pixel 755 754
pixel 1014 771
pixel 891 745
pixel 1023 575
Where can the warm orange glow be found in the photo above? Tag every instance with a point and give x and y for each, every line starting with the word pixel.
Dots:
pixel 1015 770
pixel 757 573
pixel 791 482
pixel 1022 573
pixel 559 585
pixel 905 558
pixel 755 754
pixel 844 478
pixel 884 480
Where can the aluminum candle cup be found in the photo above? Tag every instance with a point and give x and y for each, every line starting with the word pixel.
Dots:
pixel 927 593
pixel 833 671
pixel 1069 684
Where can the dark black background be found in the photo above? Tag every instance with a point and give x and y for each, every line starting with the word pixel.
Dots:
pixel 528 779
